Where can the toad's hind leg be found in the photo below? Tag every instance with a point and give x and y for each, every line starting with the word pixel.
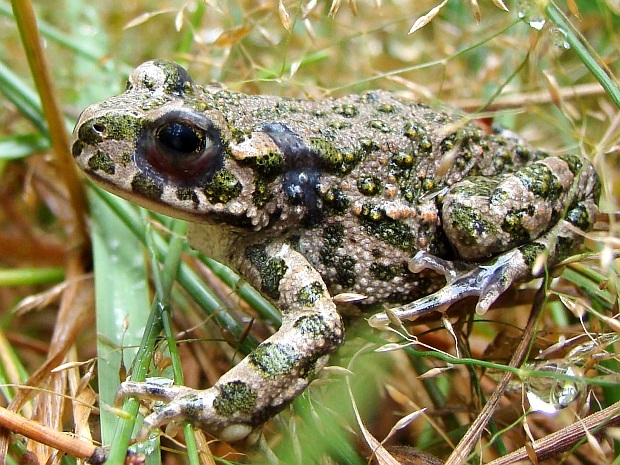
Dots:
pixel 499 227
pixel 276 372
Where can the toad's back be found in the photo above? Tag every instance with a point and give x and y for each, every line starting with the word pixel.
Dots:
pixel 355 184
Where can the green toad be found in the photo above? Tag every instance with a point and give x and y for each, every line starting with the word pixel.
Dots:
pixel 365 194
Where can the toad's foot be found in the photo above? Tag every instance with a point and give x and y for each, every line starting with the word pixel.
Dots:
pixel 487 281
pixel 186 403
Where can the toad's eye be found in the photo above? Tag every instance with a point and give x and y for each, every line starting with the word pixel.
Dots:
pixel 183 146
pixel 181 137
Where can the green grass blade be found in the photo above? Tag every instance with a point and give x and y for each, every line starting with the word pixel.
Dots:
pixel 121 297
pixel 586 54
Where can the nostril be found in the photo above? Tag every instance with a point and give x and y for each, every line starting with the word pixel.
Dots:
pixel 99 128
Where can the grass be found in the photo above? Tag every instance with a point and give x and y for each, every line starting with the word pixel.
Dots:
pixel 560 98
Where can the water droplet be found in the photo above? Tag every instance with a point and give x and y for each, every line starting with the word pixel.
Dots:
pixel 551 394
pixel 558 38
pixel 147 447
pixel 528 11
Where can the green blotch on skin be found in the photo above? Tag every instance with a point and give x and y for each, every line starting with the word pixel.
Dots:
pixel 329 155
pixel 239 135
pixel 187 193
pixel 146 187
pixel 269 164
pixel 541 181
pixel 235 397
pixel 175 81
pixel 579 217
pixel 385 272
pixel 573 161
pixel 380 125
pixel 369 185
pixel 523 153
pixel 414 131
pixel 376 222
pixel 262 194
pixel 77 148
pixel 447 144
pixel 340 125
pixel 345 270
pixel 125 159
pixel 470 224
pixel 315 327
pixel 335 201
pixel 403 160
pixel 115 127
pixel 513 225
pixel 531 251
pixel 271 270
pixel 266 168
pixel 425 145
pixel 333 236
pixel 311 325
pixel 499 196
pixel 274 359
pixel 347 110
pixel 564 247
pixel 367 145
pixel 101 161
pixel 223 187
pixel 344 265
pixel 428 185
pixel 332 159
pixel 502 160
pixel 386 108
pixel 310 294
pixel 478 186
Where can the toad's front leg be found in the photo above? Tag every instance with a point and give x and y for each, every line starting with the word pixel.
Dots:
pixel 276 372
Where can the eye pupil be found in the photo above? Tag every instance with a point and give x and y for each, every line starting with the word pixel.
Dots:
pixel 182 147
pixel 180 137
